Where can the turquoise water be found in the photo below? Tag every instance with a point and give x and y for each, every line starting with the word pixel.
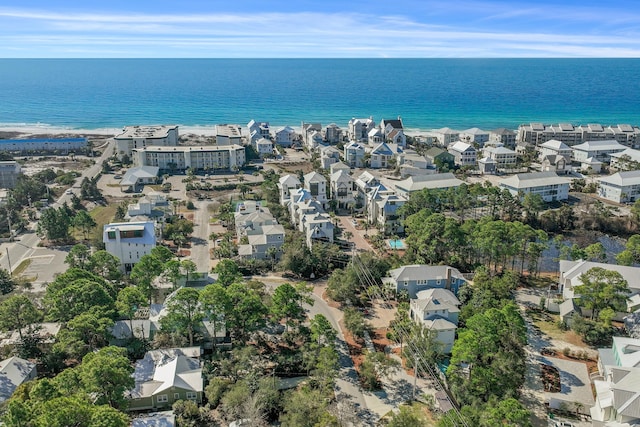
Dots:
pixel 395 244
pixel 427 93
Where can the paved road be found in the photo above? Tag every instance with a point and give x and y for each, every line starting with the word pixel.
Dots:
pixel 200 238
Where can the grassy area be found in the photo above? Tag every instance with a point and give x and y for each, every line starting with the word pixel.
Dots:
pixel 21 268
pixel 421 411
pixel 548 325
pixel 104 214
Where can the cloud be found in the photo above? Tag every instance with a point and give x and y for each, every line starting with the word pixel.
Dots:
pixel 300 34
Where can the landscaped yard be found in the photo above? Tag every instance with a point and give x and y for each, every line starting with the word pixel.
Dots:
pixel 548 323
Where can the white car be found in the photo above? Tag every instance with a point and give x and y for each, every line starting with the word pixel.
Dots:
pixel 68 191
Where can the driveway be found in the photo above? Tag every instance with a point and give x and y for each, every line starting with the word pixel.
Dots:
pixel 575 385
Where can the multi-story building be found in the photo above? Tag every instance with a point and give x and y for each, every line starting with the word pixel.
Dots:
pixel 332 134
pixel 415 278
pixel 598 150
pixel 504 157
pixel 263 146
pixel 202 158
pixel 445 136
pixel 354 154
pixel 129 241
pixel 555 148
pixel 286 185
pixel 258 130
pixel 437 309
pixel 503 136
pixel 316 185
pixel 342 188
pixel 474 136
pixel 464 154
pixel 548 185
pixel 393 131
pixel 621 187
pixel 62 145
pixel 286 136
pixel 134 137
pixel 381 156
pixel 328 156
pixel 359 129
pixel 538 133
pixel 228 134
pixel 9 171
pixel 626 160
pixel 383 209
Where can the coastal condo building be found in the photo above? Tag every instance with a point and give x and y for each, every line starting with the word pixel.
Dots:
pixel 538 133
pixel 134 137
pixel 201 158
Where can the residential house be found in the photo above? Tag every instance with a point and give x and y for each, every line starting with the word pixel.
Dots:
pixel 445 136
pixel 487 165
pixel 393 131
pixel 555 148
pixel 342 188
pixel 263 146
pixel 591 165
pixel 338 166
pixel 504 157
pixel 440 157
pixel 474 136
pixel 318 227
pixel 363 185
pixel 464 154
pixel 264 242
pixel 45 332
pixel 548 185
pixel 258 130
pixel 9 171
pixel 439 181
pixel 437 309
pixel 308 216
pixel 383 208
pixel 358 129
pixel 135 178
pixel 286 136
pixel 354 154
pixel 311 128
pixel 287 184
pixel 316 185
pixel 381 156
pixel 600 150
pixel 328 156
pixel 314 140
pixel 163 377
pixel 150 206
pixel 571 272
pixel 135 137
pixel 415 278
pixel 503 136
pixel 555 163
pixel 228 134
pixel 129 241
pixel 15 371
pixel 332 134
pixel 626 160
pixel 375 137
pixel 621 187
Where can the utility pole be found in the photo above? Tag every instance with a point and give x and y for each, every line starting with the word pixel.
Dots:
pixel 415 378
pixel 9 261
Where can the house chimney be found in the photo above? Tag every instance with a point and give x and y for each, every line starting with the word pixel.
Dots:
pixel 448 273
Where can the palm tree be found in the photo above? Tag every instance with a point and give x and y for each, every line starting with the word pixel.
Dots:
pixel 272 253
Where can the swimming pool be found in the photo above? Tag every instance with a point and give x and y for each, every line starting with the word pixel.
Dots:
pixel 395 244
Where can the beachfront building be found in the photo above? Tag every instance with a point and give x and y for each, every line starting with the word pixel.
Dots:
pixel 438 310
pixel 332 134
pixel 342 188
pixel 599 150
pixel 504 157
pixel 419 277
pixel 49 145
pixel 538 133
pixel 464 154
pixel 258 130
pixel 228 134
pixel 263 146
pixel 129 241
pixel 383 210
pixel 15 371
pixel 439 181
pixel 358 129
pixel 316 185
pixel 393 131
pixel 503 136
pixel 165 376
pixel 309 129
pixel 626 160
pixel 548 185
pixel 354 154
pixel 445 136
pixel 555 148
pixel 286 136
pixel 623 133
pixel 474 136
pixel 9 171
pixel 213 158
pixel 621 187
pixel 134 137
pixel 286 185
pixel 375 137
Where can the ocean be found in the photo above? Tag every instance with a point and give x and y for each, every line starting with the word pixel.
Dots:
pixel 426 93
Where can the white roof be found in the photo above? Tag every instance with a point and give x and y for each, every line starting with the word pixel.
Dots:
pixel 133 174
pixel 290 180
pixel 314 177
pixel 161 372
pixel 633 154
pixel 130 132
pixel 421 271
pixel 13 372
pixel 622 179
pixel 439 180
pixel 499 150
pixel 554 144
pixel 534 179
pixel 599 145
pixel 475 131
pixel 461 147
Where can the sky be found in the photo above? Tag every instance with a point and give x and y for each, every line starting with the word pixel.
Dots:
pixel 319 29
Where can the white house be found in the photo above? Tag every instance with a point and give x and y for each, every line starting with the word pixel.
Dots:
pixel 342 188
pixel 548 185
pixel 445 136
pixel 383 209
pixel 381 156
pixel 464 154
pixel 375 137
pixel 354 154
pixel 358 130
pixel 621 187
pixel 504 157
pixel 129 241
pixel 263 146
pixel 439 181
pixel 555 148
pixel 286 136
pixel 437 309
pixel 139 176
pixel 9 171
pixel 628 159
pixel 474 136
pixel 555 163
pixel 600 150
pixel 133 137
pixel 328 156
pixel 419 277
pixel 316 185
pixel 287 184
pixel 258 130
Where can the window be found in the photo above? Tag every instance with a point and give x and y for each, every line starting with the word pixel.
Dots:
pixel 162 398
pixel 111 235
pixel 192 395
pixel 176 396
